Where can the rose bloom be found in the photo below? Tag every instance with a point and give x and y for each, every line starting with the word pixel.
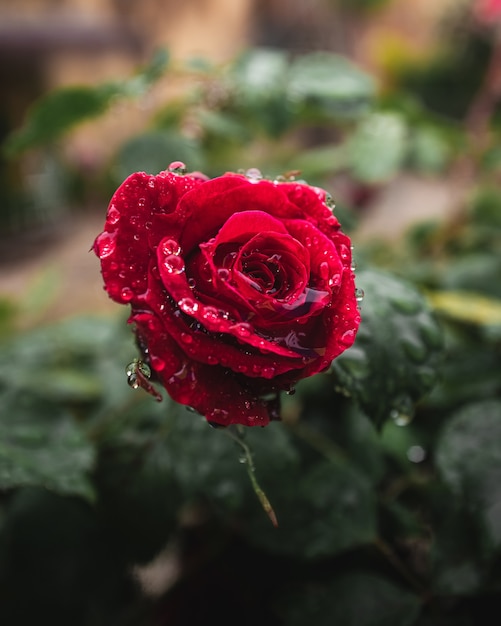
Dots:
pixel 238 286
pixel 487 11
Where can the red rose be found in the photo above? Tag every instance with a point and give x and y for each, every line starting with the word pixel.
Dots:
pixel 238 287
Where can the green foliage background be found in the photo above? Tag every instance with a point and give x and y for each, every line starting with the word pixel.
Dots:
pixel 385 472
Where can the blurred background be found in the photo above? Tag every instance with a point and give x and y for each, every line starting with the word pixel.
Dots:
pixel 54 191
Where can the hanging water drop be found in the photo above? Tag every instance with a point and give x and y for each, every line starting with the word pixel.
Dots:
pixel 359 294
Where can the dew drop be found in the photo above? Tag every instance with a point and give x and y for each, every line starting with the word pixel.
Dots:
pixel 268 372
pixel 242 329
pixel 348 337
pixel 127 294
pixel 402 411
pixel 113 216
pixel 141 202
pixel 359 294
pixel 105 245
pixel 324 270
pixel 187 338
pixel 219 415
pixel 253 174
pixel 344 252
pixel 329 201
pixel 212 360
pixel 187 305
pixel 223 274
pixel 177 167
pixel 170 246
pixel 157 363
pixel 174 264
pixel 151 183
pixel 210 314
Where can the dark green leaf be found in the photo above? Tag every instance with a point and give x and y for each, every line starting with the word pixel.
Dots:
pixel 42 446
pixel 358 599
pixel 394 360
pixel 321 512
pixel 468 456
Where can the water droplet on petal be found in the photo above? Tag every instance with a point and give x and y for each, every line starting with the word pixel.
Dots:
pixel 268 372
pixel 218 415
pixel 187 305
pixel 242 329
pixel 223 273
pixel 113 216
pixel 186 338
pixel 174 264
pixel 177 167
pixel 324 270
pixel 157 363
pixel 212 360
pixel 253 174
pixel 329 201
pixel 359 294
pixel 170 246
pixel 210 314
pixel 127 294
pixel 105 244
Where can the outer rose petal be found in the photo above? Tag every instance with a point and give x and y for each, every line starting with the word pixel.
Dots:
pixel 169 245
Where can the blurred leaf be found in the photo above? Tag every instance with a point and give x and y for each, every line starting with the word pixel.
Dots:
pixel 62 109
pixel 378 147
pixel 56 113
pixel 468 457
pixel 152 152
pixel 429 151
pixel 259 72
pixel 394 360
pixel 356 599
pixel 42 446
pixel 330 82
pixel 467 306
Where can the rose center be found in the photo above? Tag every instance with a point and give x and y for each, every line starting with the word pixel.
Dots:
pixel 265 274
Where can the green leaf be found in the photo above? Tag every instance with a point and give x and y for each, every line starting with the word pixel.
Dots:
pixel 468 457
pixel 59 111
pixel 457 566
pixel 56 113
pixel 394 360
pixel 44 447
pixel 330 82
pixel 378 147
pixel 357 599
